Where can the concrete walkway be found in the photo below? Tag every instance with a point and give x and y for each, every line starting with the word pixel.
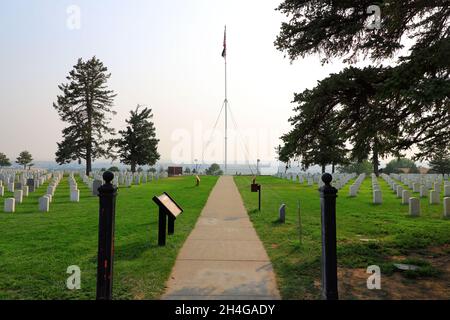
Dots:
pixel 223 257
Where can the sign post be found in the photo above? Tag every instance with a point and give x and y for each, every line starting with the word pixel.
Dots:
pixel 168 210
pixel 257 188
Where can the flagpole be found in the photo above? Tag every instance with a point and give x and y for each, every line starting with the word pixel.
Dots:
pixel 226 105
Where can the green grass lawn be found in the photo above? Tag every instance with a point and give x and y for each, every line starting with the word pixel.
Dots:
pixel 367 235
pixel 36 248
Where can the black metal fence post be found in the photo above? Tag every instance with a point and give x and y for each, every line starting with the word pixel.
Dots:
pixel 170 224
pixel 162 227
pixel 259 197
pixel 107 195
pixel 328 195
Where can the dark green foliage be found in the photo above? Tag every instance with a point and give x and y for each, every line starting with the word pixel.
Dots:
pixel 339 28
pixel 440 163
pixel 387 110
pixel 357 167
pixel 214 170
pixel 341 109
pixel 24 159
pixel 114 169
pixel 86 105
pixel 395 165
pixel 4 161
pixel 138 145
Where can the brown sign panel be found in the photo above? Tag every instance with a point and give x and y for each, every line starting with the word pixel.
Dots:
pixel 169 204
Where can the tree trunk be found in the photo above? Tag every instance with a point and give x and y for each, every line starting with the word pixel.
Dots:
pixel 88 160
pixel 333 168
pixel 89 137
pixel 133 167
pixel 375 160
pixel 323 168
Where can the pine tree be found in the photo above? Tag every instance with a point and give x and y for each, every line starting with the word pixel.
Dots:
pixel 25 158
pixel 415 92
pixel 440 162
pixel 86 105
pixel 4 161
pixel 138 144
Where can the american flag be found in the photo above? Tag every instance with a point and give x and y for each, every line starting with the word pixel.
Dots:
pixel 224 52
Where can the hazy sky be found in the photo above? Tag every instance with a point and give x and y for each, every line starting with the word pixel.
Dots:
pixel 164 54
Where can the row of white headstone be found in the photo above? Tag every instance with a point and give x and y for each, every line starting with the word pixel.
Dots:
pixel 414 202
pixel 45 200
pixel 126 179
pixel 74 192
pixel 339 179
pixel 377 196
pixel 421 187
pixel 27 182
pixel 354 188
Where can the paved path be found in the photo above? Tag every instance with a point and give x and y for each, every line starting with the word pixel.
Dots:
pixel 223 257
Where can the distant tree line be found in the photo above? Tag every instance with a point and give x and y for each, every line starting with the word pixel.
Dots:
pixel 24 159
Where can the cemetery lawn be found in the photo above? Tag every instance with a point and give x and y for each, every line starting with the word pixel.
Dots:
pixel 367 235
pixel 37 248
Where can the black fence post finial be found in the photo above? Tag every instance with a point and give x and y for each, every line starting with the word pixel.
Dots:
pixel 107 195
pixel 328 195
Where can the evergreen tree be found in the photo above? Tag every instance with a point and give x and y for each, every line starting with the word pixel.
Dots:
pixel 86 105
pixel 138 144
pixel 396 165
pixel 214 170
pixel 414 93
pixel 313 143
pixel 25 158
pixel 440 162
pixel 357 167
pixel 4 161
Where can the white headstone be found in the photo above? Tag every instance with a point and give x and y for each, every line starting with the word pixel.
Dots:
pixel 423 191
pixel 95 185
pixel 25 191
pixel 447 207
pixel 399 191
pixel 377 197
pixel 2 191
pixel 282 213
pixel 44 203
pixel 434 197
pixel 447 191
pixel 51 190
pixel 18 195
pixel 11 187
pixel 10 205
pixel 414 207
pixel 405 196
pixel 353 190
pixel 75 196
